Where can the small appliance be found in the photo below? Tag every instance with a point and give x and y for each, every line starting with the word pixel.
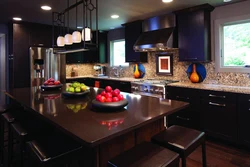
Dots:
pixel 100 70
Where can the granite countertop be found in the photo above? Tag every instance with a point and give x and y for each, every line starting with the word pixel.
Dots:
pixel 129 79
pixel 77 118
pixel 216 87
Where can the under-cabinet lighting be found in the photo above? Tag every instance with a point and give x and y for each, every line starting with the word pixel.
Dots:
pixel 167 1
pixel 115 16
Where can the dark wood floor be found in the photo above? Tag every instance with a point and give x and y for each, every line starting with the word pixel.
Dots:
pixel 220 155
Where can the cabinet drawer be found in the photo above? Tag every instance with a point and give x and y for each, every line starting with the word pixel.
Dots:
pixel 218 97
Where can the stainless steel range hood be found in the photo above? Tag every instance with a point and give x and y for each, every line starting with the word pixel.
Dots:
pixel 158 34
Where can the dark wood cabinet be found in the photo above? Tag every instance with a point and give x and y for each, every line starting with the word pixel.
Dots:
pixel 244 119
pixel 219 114
pixel 22 36
pixel 132 31
pixel 194 36
pixel 189 117
pixel 86 81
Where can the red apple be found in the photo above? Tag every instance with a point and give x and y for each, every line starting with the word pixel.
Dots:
pixel 98 97
pixel 108 95
pixel 51 79
pixel 115 99
pixel 120 97
pixel 118 90
pixel 57 82
pixel 109 99
pixel 46 83
pixel 102 99
pixel 103 93
pixel 116 93
pixel 51 83
pixel 108 89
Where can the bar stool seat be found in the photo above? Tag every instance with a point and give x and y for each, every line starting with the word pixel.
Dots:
pixel 53 149
pixel 146 155
pixel 181 140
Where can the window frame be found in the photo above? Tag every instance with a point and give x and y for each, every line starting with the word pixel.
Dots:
pixel 219 41
pixel 112 53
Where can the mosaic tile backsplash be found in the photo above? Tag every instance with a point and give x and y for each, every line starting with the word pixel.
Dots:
pixel 179 72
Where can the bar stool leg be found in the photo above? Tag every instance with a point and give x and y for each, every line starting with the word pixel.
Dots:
pixel 183 161
pixel 1 140
pixel 204 159
pixel 10 146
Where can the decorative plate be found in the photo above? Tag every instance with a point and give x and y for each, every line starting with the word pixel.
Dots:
pixel 51 87
pixel 109 105
pixel 70 94
pixel 200 69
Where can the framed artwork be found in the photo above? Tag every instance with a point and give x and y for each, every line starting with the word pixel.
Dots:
pixel 164 64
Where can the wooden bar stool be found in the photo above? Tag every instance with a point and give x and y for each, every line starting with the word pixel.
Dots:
pixel 53 150
pixel 146 155
pixel 182 140
pixel 6 118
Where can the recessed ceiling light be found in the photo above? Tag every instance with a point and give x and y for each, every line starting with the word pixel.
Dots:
pixel 46 7
pixel 167 1
pixel 79 27
pixel 115 16
pixel 17 18
pixel 227 0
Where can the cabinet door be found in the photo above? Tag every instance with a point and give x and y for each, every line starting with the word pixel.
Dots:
pixel 219 115
pixel 188 117
pixel 244 119
pixel 74 58
pixel 21 59
pixel 132 32
pixel 40 35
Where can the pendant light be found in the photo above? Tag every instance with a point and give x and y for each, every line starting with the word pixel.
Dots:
pixel 60 39
pixel 76 36
pixel 68 37
pixel 86 32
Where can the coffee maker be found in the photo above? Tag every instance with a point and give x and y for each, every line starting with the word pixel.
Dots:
pixel 100 70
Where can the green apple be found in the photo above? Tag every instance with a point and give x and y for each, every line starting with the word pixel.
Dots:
pixel 78 89
pixel 71 89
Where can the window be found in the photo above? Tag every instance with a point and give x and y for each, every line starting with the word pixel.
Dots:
pixel 232 44
pixel 117 53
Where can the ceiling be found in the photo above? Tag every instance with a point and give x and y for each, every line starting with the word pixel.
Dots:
pixel 128 10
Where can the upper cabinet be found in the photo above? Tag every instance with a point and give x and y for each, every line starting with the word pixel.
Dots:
pixel 132 32
pixel 194 36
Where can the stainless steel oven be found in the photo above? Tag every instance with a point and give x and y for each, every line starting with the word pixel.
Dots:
pixel 151 87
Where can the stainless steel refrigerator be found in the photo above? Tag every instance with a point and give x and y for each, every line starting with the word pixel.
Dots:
pixel 44 64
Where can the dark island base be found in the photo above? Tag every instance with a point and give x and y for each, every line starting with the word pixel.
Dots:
pixel 99 156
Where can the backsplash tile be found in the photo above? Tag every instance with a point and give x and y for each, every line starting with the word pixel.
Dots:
pixel 179 71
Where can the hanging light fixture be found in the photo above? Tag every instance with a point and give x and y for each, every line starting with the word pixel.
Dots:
pixel 86 32
pixel 76 36
pixel 88 7
pixel 60 39
pixel 68 37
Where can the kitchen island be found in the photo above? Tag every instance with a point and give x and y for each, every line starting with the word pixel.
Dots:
pixel 103 134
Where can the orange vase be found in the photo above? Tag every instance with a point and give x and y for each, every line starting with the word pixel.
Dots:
pixel 136 72
pixel 194 77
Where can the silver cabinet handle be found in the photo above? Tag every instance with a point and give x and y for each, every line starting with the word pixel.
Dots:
pixel 211 95
pixel 217 104
pixel 186 119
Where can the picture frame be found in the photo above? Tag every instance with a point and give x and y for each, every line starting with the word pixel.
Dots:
pixel 164 64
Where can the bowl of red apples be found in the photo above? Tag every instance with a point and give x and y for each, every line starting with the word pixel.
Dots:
pixel 51 84
pixel 109 99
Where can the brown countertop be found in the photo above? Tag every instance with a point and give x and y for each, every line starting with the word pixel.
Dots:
pixel 216 87
pixel 88 125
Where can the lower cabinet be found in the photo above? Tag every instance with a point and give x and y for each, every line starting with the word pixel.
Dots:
pixel 189 117
pixel 219 114
pixel 244 119
pixel 214 112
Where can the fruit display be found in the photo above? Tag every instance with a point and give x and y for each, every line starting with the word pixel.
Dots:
pixel 51 81
pixel 77 107
pixel 76 87
pixel 109 95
